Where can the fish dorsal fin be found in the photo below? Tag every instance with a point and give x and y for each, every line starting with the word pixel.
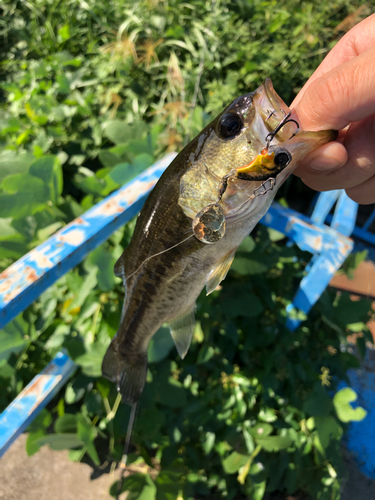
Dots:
pixel 218 273
pixel 182 329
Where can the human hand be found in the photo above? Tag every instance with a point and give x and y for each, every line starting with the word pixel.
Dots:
pixel 341 95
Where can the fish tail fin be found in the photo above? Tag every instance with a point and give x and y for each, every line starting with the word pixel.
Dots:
pixel 130 377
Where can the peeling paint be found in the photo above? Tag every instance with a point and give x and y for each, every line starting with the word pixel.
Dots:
pixel 74 237
pixel 16 418
pixel 55 257
pixel 40 259
pixel 111 207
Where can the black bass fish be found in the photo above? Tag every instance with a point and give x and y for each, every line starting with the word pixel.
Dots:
pixel 207 201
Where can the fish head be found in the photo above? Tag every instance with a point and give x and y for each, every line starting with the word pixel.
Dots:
pixel 246 147
pixel 249 122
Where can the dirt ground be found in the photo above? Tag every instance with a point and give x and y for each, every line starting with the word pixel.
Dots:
pixel 50 475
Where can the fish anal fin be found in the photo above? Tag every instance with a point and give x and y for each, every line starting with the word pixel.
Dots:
pixel 219 272
pixel 182 329
pixel 129 377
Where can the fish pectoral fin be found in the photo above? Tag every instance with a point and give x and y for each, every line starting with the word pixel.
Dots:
pixel 218 273
pixel 182 329
pixel 129 375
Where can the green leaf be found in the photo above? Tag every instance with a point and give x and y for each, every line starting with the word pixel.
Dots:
pixel 66 423
pixel 48 168
pixel 60 441
pixel 247 245
pixel 28 195
pixel 327 428
pixel 278 21
pixel 76 389
pixel 87 434
pixel 318 403
pixel 31 443
pixel 125 172
pixel 37 429
pixel 234 462
pixel 11 339
pixel 7 231
pixel 80 287
pixel 12 163
pixel 21 183
pixel 138 487
pixel 160 345
pixel 274 443
pixel 63 33
pixel 41 421
pixel 344 410
pixel 104 261
pixel 110 159
pixel 209 442
pixel 138 147
pixel 168 485
pixel 261 430
pixel 275 235
pixel 92 185
pixel 348 311
pixel 172 394
pixel 120 132
pixel 12 249
pixel 76 455
pixel 91 361
pixel 245 266
pixel 63 84
pixel 246 304
pixel 267 415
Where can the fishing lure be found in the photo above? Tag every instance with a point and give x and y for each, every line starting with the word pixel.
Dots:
pixel 209 224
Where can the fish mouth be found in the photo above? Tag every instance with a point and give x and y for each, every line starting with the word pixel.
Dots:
pixel 272 109
pixel 232 167
pixel 305 142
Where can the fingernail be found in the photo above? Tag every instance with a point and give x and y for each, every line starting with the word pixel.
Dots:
pixel 323 163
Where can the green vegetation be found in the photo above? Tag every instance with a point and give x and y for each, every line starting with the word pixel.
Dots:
pixel 92 93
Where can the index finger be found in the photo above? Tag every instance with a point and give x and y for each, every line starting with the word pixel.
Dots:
pixel 358 40
pixel 344 95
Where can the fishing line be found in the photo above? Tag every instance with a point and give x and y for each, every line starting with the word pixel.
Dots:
pixel 156 254
pixel 124 458
pixel 195 97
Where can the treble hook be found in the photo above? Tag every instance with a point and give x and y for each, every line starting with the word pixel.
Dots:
pixel 284 121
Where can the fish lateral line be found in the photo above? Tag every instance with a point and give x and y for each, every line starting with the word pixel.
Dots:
pixel 158 253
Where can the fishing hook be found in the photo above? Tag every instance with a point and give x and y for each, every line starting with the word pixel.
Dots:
pixel 284 121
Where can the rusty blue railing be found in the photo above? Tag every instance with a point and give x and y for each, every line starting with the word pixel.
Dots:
pixel 26 279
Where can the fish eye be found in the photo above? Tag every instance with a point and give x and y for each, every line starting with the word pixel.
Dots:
pixel 282 158
pixel 230 125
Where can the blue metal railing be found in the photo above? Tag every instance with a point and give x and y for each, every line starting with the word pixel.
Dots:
pixel 26 279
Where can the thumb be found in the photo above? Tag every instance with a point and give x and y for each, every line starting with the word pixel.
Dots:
pixel 344 95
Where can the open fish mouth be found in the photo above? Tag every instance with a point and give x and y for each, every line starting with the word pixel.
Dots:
pixel 247 153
